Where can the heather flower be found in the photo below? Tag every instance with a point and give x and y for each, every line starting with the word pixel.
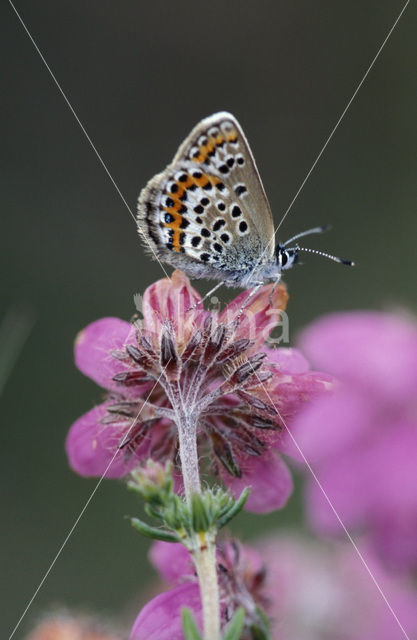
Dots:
pixel 319 592
pixel 241 583
pixel 205 371
pixel 362 440
pixel 309 591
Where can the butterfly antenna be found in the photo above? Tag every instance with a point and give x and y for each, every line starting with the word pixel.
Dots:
pixel 308 232
pixel 350 263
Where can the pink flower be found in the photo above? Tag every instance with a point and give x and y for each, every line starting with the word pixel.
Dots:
pixel 362 440
pixel 323 591
pixel 207 365
pixel 241 578
pixel 308 590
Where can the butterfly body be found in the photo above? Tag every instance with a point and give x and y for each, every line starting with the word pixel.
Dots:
pixel 207 213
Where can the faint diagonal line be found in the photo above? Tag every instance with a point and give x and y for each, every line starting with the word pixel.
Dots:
pixel 342 115
pixel 83 510
pixel 336 514
pixel 322 150
pixel 71 108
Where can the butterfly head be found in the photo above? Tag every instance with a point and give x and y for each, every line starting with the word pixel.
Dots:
pixel 286 258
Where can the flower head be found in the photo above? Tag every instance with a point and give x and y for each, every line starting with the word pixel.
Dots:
pixel 309 591
pixel 241 576
pixel 362 440
pixel 206 369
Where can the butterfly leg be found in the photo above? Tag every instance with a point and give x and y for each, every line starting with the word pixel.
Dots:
pixel 194 306
pixel 271 295
pixel 253 292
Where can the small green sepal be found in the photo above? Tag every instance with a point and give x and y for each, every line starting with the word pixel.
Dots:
pixel 234 509
pixel 261 629
pixel 153 532
pixel 189 626
pixel 199 516
pixel 235 627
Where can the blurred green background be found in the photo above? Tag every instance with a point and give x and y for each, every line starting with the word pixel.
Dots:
pixel 140 75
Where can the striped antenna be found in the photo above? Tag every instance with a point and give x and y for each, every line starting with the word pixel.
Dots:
pixel 308 232
pixel 350 263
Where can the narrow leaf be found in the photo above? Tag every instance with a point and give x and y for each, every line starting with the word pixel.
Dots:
pixel 189 626
pixel 199 513
pixel 234 509
pixel 235 627
pixel 152 532
pixel 260 630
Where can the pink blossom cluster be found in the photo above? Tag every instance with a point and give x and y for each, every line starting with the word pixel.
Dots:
pixel 310 591
pixel 246 429
pixel 354 420
pixel 362 439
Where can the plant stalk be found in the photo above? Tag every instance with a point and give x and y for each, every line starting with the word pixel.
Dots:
pixel 205 563
pixel 187 436
pixel 204 554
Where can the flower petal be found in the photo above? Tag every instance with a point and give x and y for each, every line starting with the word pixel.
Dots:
pixel 287 360
pixel 172 561
pixel 395 538
pixel 322 591
pixel 328 426
pixel 258 317
pixel 375 352
pixel 160 619
pixel 94 346
pixel 171 299
pixel 342 481
pixel 290 395
pixel 270 481
pixel 92 445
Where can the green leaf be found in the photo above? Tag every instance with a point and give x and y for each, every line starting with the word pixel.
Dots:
pixel 235 509
pixel 199 515
pixel 261 630
pixel 153 512
pixel 152 532
pixel 259 633
pixel 235 626
pixel 189 626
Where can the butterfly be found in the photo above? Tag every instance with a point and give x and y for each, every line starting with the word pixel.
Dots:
pixel 207 213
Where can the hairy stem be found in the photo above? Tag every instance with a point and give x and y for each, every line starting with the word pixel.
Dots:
pixel 187 436
pixel 205 563
pixel 204 554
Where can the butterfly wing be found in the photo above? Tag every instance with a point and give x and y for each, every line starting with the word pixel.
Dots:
pixel 207 213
